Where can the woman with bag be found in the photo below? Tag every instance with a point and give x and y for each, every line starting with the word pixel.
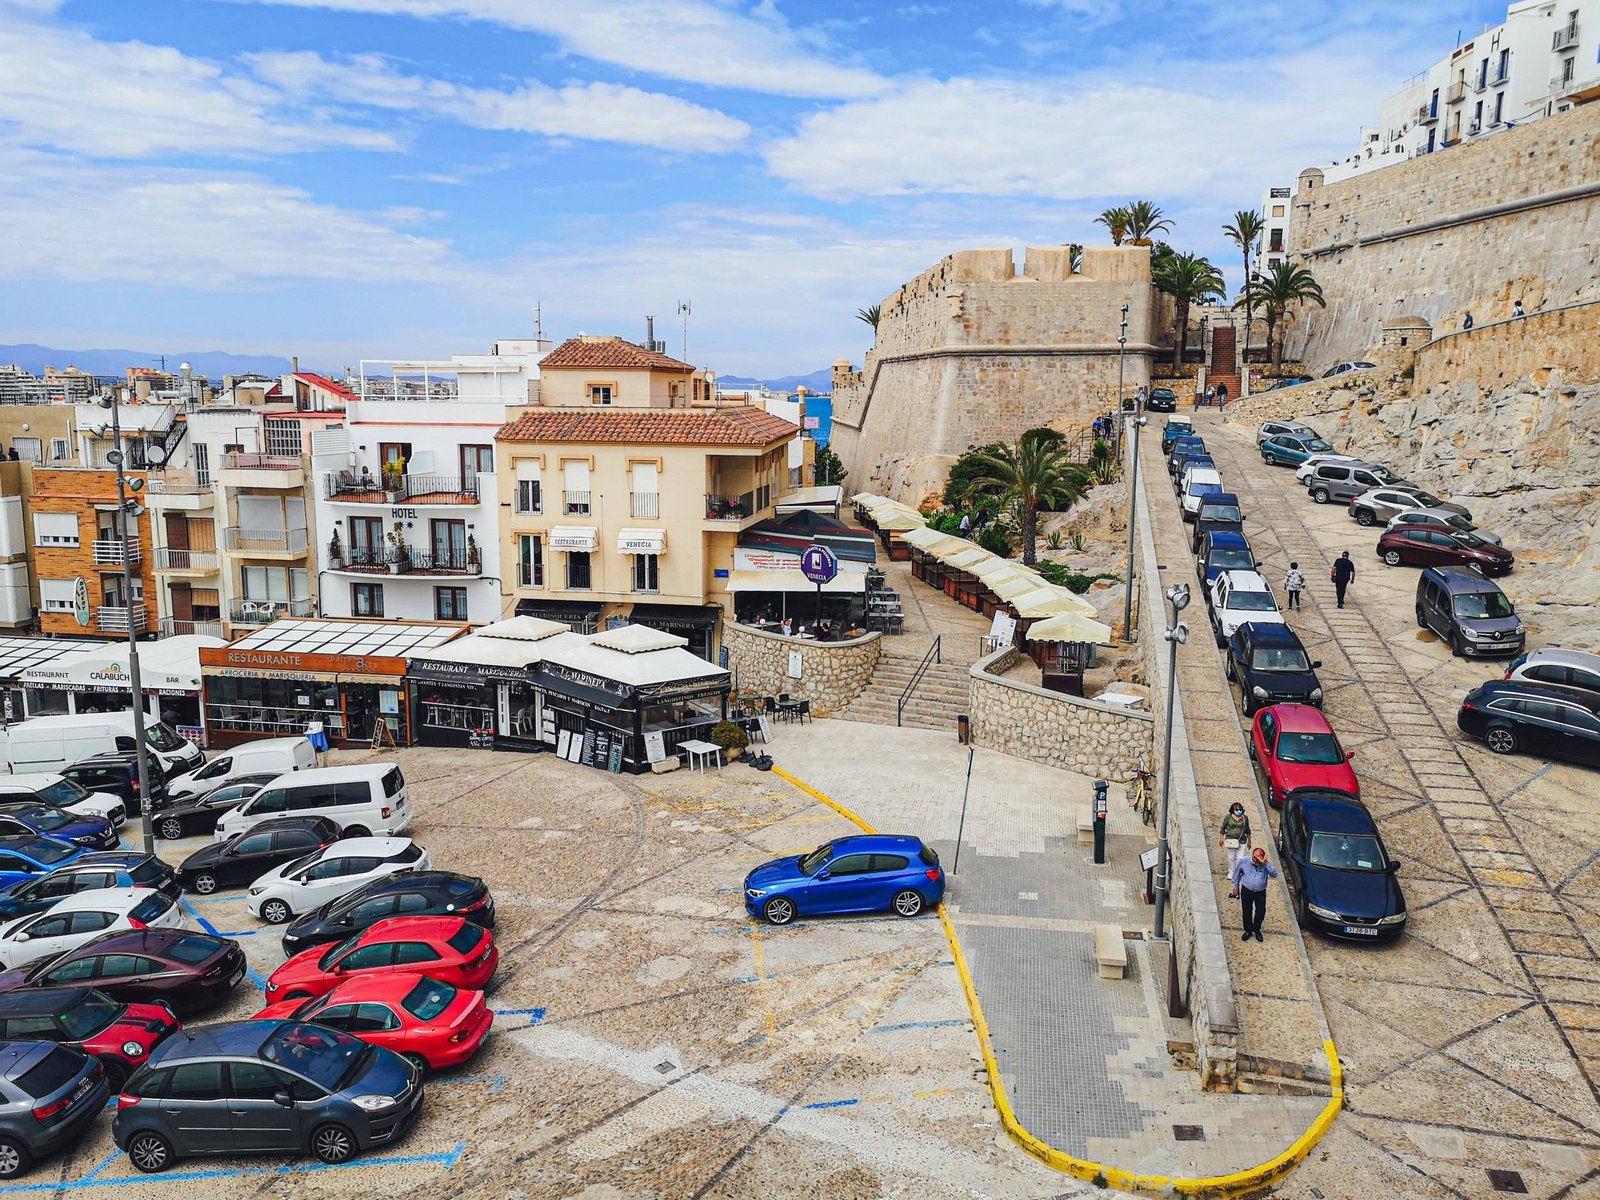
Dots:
pixel 1235 839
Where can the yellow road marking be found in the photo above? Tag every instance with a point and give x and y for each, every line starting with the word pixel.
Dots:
pixel 761 979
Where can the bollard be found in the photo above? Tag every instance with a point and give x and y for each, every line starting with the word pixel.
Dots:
pixel 1100 789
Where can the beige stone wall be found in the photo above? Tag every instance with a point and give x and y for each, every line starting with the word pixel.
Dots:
pixel 831 674
pixel 1513 216
pixel 1048 727
pixel 1565 340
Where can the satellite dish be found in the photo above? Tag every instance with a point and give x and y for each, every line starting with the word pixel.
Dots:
pixel 155 455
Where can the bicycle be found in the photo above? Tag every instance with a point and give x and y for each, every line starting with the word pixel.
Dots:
pixel 1144 793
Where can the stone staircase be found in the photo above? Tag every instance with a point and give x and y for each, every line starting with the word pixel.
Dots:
pixel 1224 366
pixel 940 697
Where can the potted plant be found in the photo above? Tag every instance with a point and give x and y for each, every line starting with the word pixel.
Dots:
pixel 731 738
pixel 399 552
pixel 394 476
pixel 335 552
pixel 474 561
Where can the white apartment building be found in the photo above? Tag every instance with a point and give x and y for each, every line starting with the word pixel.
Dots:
pixel 1277 207
pixel 407 508
pixel 1543 59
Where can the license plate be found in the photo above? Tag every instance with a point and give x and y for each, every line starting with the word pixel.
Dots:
pixel 239 974
pixel 81 1090
pixel 1362 930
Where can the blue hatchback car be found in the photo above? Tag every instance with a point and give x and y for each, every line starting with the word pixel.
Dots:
pixel 27 857
pixel 42 820
pixel 867 873
pixel 1222 551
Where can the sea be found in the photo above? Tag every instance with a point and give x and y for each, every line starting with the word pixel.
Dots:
pixel 820 407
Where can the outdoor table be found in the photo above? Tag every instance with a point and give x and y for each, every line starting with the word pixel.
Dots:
pixel 788 708
pixel 1120 699
pixel 701 752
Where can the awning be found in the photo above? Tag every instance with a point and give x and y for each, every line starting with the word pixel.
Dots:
pixel 899 522
pixel 792 581
pixel 640 541
pixel 1069 627
pixel 965 560
pixel 1050 601
pixel 675 617
pixel 569 538
pixel 568 612
pixel 388 681
pixel 1009 586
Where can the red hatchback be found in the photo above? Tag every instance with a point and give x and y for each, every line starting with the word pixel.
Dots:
pixel 433 1023
pixel 447 948
pixel 120 1035
pixel 1297 748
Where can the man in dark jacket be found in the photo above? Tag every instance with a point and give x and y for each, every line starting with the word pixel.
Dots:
pixel 1344 570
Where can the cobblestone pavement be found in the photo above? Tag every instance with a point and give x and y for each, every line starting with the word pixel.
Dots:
pixel 1085 1060
pixel 650 1042
pixel 1473 1045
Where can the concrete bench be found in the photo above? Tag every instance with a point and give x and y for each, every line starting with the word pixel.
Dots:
pixel 1110 951
pixel 1085 824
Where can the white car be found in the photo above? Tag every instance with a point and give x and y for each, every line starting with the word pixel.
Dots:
pixel 1345 368
pixel 1198 482
pixel 338 868
pixel 1240 596
pixel 1291 428
pixel 70 923
pixel 1303 471
pixel 60 792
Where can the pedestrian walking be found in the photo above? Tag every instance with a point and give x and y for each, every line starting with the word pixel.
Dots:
pixel 1466 321
pixel 1211 397
pixel 1516 311
pixel 1250 881
pixel 1293 584
pixel 1343 572
pixel 1235 839
pixel 966 525
pixel 1222 395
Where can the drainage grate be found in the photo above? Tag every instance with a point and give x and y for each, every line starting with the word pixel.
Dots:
pixel 1507 1181
pixel 1189 1133
pixel 665 1068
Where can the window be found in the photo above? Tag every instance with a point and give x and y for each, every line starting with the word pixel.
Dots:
pixel 366 541
pixel 380 954
pixel 1505 65
pixel 394 452
pixel 60 449
pixel 55 529
pixel 202 464
pixel 889 862
pixel 600 393
pixel 475 461
pixel 32 1029
pixel 448 541
pixel 578 570
pixel 370 911
pixel 85 968
pixel 94 922
pixel 1499 107
pixel 1567 69
pixel 259 843
pixel 528 498
pixel 366 599
pixel 55 595
pixel 283 437
pixel 646 573
pixel 466 939
pixel 530 559
pixel 195 1081
pixel 645 488
pixel 850 864
pixel 29 449
pixel 276 584
pixel 449 604
pixel 254 1081
pixel 576 477
pixel 411 953
pixel 1277 210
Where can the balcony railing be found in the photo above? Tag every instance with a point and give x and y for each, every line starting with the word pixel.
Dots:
pixel 172 627
pixel 171 559
pixel 1427 115
pixel 1565 38
pixel 1457 92
pixel 530 576
pixel 413 488
pixel 260 462
pixel 263 541
pixel 260 612
pixel 108 551
pixel 438 562
pixel 576 504
pixel 729 508
pixel 645 504
pixel 160 485
pixel 121 618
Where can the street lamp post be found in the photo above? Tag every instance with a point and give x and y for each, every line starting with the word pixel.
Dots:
pixel 1177 634
pixel 1133 478
pixel 141 748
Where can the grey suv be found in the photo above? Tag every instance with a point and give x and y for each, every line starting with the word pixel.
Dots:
pixel 1469 612
pixel 48 1095
pixel 1342 482
pixel 1382 504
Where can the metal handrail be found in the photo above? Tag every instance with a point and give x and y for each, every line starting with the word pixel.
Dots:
pixel 928 659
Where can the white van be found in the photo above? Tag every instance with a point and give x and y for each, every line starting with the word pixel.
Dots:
pixel 277 756
pixel 60 792
pixel 361 800
pixel 50 743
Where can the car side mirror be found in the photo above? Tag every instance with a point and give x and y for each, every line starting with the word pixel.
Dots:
pixel 283 1099
pixel 1394 865
pixel 822 874
pixel 1349 754
pixel 1316 664
pixel 20 937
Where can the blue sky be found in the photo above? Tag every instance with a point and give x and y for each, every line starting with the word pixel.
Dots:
pixel 348 178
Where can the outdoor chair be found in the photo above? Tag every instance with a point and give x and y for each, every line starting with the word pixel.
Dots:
pixel 803 711
pixel 771 706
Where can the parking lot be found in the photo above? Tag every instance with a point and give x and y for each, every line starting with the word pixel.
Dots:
pixel 648 1038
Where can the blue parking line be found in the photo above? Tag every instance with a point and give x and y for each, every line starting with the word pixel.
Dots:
pixel 831 1104
pixel 534 1015
pixel 103 1163
pixel 915 1025
pixel 497 1083
pixel 445 1158
pixel 206 925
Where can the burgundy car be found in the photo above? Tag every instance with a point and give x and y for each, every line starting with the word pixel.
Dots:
pixel 120 1035
pixel 1433 546
pixel 186 971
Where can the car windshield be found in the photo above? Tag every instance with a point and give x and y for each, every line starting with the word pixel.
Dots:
pixel 46 820
pixel 1252 602
pixel 1221 512
pixel 305 860
pixel 1384 475
pixel 1482 605
pixel 193 949
pixel 1233 560
pixel 63 793
pixel 1318 446
pixel 1279 658
pixel 90 1015
pixel 1346 852
pixel 428 999
pixel 1427 499
pixel 1471 541
pixel 1313 749
pixel 1458 522
pixel 163 737
pixel 323 1055
pixel 812 863
pixel 47 850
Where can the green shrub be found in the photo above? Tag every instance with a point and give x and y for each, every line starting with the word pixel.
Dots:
pixel 994 540
pixel 729 736
pixel 1054 540
pixel 1073 581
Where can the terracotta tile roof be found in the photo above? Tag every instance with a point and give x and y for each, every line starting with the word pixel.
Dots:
pixel 609 352
pixel 650 427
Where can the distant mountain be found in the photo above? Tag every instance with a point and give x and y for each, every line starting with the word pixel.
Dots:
pixel 817 381
pixel 213 364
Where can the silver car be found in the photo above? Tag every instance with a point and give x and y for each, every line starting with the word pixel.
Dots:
pixel 1293 428
pixel 1377 506
pixel 1444 519
pixel 1573 668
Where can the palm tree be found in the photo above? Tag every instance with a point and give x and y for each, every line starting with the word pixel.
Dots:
pixel 1034 474
pixel 870 315
pixel 1285 283
pixel 1145 220
pixel 1116 220
pixel 1188 279
pixel 1245 233
pixel 1075 254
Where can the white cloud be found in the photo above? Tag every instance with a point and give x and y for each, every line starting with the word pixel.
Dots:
pixel 709 42
pixel 593 111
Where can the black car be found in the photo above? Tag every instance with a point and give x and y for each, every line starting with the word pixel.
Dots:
pixel 1161 399
pixel 425 894
pixel 118 774
pixel 186 971
pixel 1271 667
pixel 199 814
pixel 1341 878
pixel 49 1095
pixel 247 856
pixel 1182 450
pixel 1547 719
pixel 87 873
pixel 1219 513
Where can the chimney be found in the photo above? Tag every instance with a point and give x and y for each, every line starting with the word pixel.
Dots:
pixel 294 365
pixel 649 333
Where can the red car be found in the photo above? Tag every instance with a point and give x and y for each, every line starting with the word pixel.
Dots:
pixel 447 948
pixel 1296 748
pixel 120 1035
pixel 433 1023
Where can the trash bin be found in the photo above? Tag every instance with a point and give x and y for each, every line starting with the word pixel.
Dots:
pixel 964 729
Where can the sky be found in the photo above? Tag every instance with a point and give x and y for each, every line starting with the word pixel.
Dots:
pixel 347 179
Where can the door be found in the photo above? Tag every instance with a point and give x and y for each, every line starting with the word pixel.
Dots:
pixel 47 936
pixel 1582 737
pixel 36 896
pixel 257 1121
pixel 475 461
pixel 328 880
pixel 177 528
pixel 251 858
pixel 450 545
pixel 196 1109
pixel 849 884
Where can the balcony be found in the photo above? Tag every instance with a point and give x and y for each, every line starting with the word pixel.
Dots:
pixel 346 487
pixel 411 561
pixel 237 540
pixel 193 562
pixel 1565 38
pixel 172 627
pixel 108 552
pixel 262 612
pixel 279 472
pixel 575 504
pixel 121 618
pixel 1427 115
pixel 645 504
pixel 1457 92
pixel 179 491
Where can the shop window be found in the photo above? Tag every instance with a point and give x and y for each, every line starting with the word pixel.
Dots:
pixel 578 571
pixel 530 560
pixel 449 604
pixel 646 573
pixel 366 599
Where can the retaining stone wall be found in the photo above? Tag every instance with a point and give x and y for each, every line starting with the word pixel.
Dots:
pixel 831 674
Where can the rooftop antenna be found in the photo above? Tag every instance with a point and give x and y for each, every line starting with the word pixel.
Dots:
pixel 538 321
pixel 683 309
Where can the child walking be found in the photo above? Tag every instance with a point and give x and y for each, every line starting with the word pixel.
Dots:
pixel 1293 584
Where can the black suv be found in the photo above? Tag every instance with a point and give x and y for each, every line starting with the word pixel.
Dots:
pixel 1546 719
pixel 49 1095
pixel 1219 513
pixel 1271 667
pixel 423 894
pixel 119 775
pixel 247 856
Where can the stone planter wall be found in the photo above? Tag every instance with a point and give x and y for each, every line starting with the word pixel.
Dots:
pixel 1048 727
pixel 831 673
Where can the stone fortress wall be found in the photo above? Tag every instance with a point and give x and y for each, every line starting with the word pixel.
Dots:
pixel 971 352
pixel 1475 227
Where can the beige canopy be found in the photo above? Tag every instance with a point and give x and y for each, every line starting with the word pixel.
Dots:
pixel 1050 601
pixel 896 522
pixel 966 560
pixel 930 541
pixel 1069 627
pixel 1009 587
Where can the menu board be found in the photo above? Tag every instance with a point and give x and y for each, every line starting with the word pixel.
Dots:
pixel 655 747
pixel 562 741
pixel 480 739
pixel 614 763
pixel 588 746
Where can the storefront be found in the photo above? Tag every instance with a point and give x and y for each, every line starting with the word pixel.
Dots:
pixel 95 678
pixel 580 616
pixel 696 624
pixel 480 691
pixel 347 675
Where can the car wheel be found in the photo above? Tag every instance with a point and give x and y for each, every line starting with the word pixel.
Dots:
pixel 1501 740
pixel 356 831
pixel 1222 642
pixel 14 1158
pixel 1476 567
pixel 417 1061
pixel 333 1144
pixel 275 912
pixel 778 911
pixel 1302 913
pixel 1250 748
pixel 1227 669
pixel 205 884
pixel 1458 648
pixel 1366 517
pixel 1392 558
pixel 116 1073
pixel 150 1152
pixel 908 903
pixel 1422 621
pixel 1269 460
pixel 171 829
pixel 1321 495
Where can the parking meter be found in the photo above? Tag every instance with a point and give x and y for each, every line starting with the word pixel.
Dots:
pixel 1101 787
